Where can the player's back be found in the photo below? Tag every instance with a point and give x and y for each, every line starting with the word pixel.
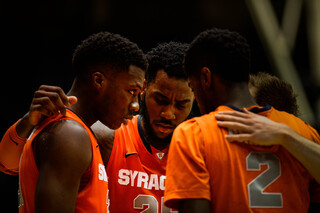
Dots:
pixel 237 177
pixel 247 178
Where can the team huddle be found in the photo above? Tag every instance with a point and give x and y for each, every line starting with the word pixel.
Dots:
pixel 182 128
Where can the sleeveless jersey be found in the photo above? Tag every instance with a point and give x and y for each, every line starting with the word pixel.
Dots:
pixel 236 177
pixel 136 177
pixel 14 143
pixel 92 198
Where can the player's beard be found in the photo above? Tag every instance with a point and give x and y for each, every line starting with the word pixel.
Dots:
pixel 159 143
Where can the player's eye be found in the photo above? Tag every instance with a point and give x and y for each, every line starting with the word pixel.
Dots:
pixel 133 92
pixel 180 106
pixel 161 101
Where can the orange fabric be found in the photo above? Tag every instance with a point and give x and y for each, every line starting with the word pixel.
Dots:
pixel 91 198
pixel 236 177
pixel 136 177
pixel 11 147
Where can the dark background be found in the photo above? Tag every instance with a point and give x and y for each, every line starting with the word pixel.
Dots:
pixel 38 38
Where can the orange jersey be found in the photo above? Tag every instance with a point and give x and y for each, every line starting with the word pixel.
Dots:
pixel 237 177
pixel 92 198
pixel 136 176
pixel 11 147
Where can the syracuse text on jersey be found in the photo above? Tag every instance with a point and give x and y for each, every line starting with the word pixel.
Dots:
pixel 141 179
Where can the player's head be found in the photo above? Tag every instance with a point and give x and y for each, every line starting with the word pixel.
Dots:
pixel 167 100
pixel 113 69
pixel 216 58
pixel 267 89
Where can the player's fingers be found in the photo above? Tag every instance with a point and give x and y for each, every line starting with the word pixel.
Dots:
pixel 59 91
pixel 53 98
pixel 39 108
pixel 245 110
pixel 238 138
pixel 44 103
pixel 71 100
pixel 232 118
pixel 234 126
pixel 233 114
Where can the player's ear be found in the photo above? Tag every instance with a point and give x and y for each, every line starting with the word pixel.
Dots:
pixel 99 80
pixel 205 77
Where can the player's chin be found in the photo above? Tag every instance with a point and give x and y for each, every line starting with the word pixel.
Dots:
pixel 162 135
pixel 113 125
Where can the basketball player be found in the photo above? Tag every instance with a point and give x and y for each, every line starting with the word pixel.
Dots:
pixel 61 168
pixel 137 165
pixel 206 173
pixel 136 153
pixel 107 135
pixel 268 89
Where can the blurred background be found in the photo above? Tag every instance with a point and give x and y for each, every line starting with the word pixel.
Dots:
pixel 38 38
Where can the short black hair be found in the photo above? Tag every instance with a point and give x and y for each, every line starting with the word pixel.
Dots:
pixel 167 56
pixel 105 48
pixel 224 52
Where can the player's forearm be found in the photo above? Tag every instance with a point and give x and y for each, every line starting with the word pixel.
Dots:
pixel 305 151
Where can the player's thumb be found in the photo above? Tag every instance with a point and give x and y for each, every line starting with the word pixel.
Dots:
pixel 72 100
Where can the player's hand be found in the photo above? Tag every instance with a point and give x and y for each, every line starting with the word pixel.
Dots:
pixel 251 128
pixel 48 101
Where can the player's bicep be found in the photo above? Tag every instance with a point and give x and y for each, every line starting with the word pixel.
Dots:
pixel 53 195
pixel 63 153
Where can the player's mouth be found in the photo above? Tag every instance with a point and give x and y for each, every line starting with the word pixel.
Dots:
pixel 164 128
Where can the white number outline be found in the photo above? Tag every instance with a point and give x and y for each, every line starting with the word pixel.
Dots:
pixel 268 159
pixel 145 197
pixel 164 209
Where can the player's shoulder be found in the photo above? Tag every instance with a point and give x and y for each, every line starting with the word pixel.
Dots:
pixel 289 119
pixel 66 127
pixel 64 134
pixel 296 123
pixel 188 124
pixel 192 126
pixel 63 141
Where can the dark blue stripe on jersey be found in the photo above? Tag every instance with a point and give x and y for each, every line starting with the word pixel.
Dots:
pixel 258 110
pixel 142 135
pixel 253 110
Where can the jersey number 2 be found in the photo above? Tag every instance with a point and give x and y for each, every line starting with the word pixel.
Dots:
pixel 258 198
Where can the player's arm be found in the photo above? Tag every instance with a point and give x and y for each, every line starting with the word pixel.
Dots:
pixel 260 130
pixel 47 101
pixel 187 184
pixel 63 153
pixel 105 138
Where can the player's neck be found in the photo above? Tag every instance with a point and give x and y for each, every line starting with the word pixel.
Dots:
pixel 160 144
pixel 83 107
pixel 240 97
pixel 237 95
